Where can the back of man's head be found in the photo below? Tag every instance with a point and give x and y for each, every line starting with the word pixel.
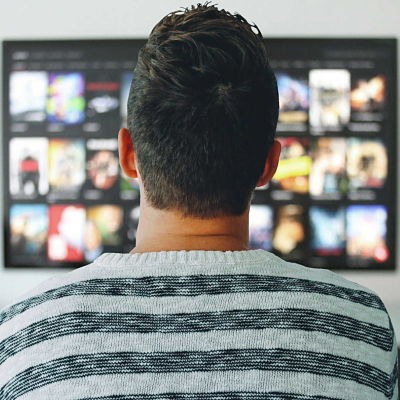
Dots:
pixel 202 112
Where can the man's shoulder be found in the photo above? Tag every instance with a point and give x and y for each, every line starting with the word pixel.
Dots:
pixel 48 290
pixel 332 294
pixel 325 279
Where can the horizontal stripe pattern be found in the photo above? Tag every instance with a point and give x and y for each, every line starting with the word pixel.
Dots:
pixel 112 330
pixel 232 359
pixel 189 304
pixel 214 396
pixel 86 322
pixel 201 341
pixel 203 382
pixel 193 285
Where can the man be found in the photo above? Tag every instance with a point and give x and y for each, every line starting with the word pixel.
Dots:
pixel 191 312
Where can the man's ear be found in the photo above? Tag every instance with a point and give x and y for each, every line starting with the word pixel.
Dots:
pixel 127 156
pixel 271 164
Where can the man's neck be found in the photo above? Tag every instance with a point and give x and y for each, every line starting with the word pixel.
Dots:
pixel 160 230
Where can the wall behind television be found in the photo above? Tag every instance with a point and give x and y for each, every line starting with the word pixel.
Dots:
pixel 45 19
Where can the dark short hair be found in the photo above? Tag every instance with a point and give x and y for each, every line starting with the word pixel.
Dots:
pixel 202 111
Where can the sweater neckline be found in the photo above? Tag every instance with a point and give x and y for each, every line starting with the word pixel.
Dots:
pixel 183 257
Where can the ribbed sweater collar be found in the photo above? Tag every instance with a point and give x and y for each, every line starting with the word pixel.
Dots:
pixel 183 257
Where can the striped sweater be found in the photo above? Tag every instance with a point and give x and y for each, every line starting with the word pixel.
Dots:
pixel 198 325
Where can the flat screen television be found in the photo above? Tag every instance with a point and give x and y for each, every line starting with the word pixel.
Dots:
pixel 331 204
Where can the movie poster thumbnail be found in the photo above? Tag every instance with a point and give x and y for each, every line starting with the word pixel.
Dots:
pixel 328 235
pixel 328 179
pixel 289 236
pixel 126 80
pixel 28 96
pixel 293 102
pixel 103 103
pixel 28 233
pixel 329 99
pixel 102 230
pixel 102 168
pixel 366 233
pixel 294 167
pixel 66 167
pixel 368 94
pixel 66 233
pixel 260 227
pixel 66 98
pixel 367 163
pixel 28 167
pixel 129 187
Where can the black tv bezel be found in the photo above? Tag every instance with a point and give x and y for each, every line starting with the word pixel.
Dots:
pixel 9 44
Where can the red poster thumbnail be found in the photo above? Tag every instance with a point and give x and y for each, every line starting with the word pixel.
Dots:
pixel 66 232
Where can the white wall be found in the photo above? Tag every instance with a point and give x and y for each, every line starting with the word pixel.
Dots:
pixel 42 19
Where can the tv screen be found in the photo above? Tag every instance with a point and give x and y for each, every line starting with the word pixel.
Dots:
pixel 331 203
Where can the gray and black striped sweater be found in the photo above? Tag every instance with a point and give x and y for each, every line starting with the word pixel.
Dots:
pixel 198 325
